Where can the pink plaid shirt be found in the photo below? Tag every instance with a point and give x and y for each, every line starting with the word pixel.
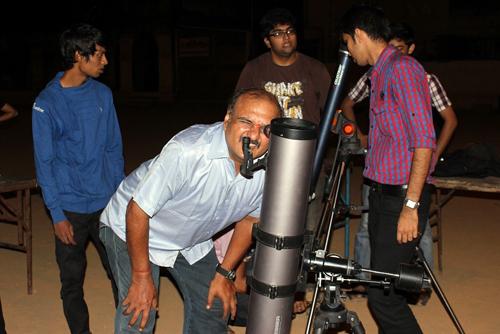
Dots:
pixel 400 117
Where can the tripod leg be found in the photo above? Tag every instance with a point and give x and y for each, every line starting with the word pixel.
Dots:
pixel 353 321
pixel 439 291
pixel 334 206
pixel 329 204
pixel 313 308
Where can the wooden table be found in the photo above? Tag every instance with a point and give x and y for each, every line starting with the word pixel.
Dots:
pixel 449 185
pixel 18 212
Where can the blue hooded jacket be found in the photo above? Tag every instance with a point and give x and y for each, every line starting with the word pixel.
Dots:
pixel 77 147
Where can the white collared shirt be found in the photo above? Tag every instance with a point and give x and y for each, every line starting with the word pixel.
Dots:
pixel 191 191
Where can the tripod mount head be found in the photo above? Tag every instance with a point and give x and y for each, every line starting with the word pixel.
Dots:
pixel 346 129
pixel 410 278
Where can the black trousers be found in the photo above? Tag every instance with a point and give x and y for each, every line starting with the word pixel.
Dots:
pixel 390 310
pixel 72 262
pixel 2 321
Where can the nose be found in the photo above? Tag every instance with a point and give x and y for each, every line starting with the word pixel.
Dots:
pixel 104 60
pixel 255 131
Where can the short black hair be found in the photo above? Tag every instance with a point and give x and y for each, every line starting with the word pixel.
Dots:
pixel 370 19
pixel 81 38
pixel 404 32
pixel 273 17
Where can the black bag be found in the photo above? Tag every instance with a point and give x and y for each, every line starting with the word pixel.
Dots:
pixel 474 160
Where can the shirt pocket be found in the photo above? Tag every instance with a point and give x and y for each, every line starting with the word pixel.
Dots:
pixel 388 119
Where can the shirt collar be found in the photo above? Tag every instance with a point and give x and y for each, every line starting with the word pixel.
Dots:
pixel 218 147
pixel 388 51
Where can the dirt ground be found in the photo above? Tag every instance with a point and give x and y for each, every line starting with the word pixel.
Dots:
pixel 471 232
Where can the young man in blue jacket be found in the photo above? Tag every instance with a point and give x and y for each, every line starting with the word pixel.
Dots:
pixel 78 159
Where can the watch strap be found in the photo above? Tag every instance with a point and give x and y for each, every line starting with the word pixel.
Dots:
pixel 229 274
pixel 411 204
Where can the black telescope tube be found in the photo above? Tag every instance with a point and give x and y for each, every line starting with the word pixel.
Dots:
pixel 329 112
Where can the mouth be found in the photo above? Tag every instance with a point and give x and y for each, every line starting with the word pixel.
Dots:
pixel 254 144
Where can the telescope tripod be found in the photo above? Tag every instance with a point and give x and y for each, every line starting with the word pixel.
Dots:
pixel 332 313
pixel 437 288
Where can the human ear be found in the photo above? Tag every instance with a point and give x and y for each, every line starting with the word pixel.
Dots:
pixel 411 48
pixel 267 42
pixel 227 119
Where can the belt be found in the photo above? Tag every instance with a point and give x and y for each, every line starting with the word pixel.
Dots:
pixel 389 189
pixel 398 190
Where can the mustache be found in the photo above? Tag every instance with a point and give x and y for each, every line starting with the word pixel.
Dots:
pixel 254 142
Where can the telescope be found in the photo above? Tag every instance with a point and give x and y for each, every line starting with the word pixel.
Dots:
pixel 284 250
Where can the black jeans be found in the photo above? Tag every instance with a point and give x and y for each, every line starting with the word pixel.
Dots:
pixel 391 310
pixel 72 261
pixel 2 321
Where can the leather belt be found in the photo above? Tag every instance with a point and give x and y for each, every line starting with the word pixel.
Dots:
pixel 397 190
pixel 389 189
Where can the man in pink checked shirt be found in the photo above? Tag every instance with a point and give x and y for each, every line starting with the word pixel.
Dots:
pixel 398 163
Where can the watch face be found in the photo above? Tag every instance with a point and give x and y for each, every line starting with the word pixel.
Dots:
pixel 411 204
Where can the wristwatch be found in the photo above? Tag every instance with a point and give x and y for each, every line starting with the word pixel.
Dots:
pixel 229 274
pixel 411 204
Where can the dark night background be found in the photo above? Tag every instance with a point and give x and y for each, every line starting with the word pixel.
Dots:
pixel 196 49
pixel 182 58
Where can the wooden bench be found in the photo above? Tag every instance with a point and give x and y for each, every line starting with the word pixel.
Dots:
pixel 18 211
pixel 449 185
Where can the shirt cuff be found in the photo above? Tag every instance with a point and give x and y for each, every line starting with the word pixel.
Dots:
pixel 57 215
pixel 144 204
pixel 424 142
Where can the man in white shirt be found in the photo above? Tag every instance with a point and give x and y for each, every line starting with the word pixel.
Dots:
pixel 165 213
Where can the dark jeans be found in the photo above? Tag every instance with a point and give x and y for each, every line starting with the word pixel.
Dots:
pixel 72 261
pixel 2 321
pixel 391 310
pixel 193 280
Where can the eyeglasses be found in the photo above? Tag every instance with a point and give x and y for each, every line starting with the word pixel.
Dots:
pixel 281 33
pixel 248 125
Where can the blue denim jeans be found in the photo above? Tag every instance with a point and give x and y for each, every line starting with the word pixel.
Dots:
pixel 121 268
pixel 192 280
pixel 362 239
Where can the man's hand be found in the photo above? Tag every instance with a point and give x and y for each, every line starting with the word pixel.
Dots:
pixel 64 232
pixel 240 283
pixel 407 225
pixel 363 139
pixel 225 290
pixel 141 298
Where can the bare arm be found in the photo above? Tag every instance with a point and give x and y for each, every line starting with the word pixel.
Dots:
pixel 240 243
pixel 9 112
pixel 142 293
pixel 449 126
pixel 240 283
pixel 347 108
pixel 408 219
